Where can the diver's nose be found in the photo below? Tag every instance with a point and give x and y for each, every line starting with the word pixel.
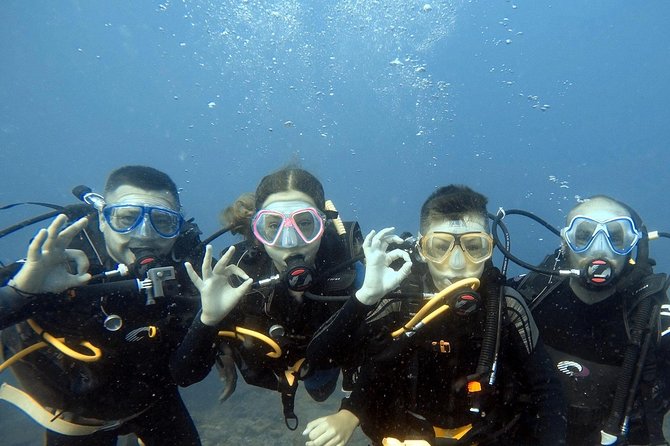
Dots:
pixel 457 259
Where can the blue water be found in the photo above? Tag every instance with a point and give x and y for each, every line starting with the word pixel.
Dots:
pixel 535 103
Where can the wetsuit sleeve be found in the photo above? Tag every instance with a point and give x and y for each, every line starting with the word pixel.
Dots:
pixel 195 356
pixel 370 401
pixel 546 417
pixel 335 342
pixel 16 306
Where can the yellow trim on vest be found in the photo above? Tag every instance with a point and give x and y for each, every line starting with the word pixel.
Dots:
pixel 456 433
pixel 59 343
pixel 292 371
pixel 153 331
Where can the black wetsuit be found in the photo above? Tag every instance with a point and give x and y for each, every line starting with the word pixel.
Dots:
pixel 132 378
pixel 587 343
pixel 274 306
pixel 405 387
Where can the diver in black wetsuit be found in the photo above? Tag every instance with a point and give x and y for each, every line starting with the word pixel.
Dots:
pixel 434 374
pixel 113 378
pixel 600 326
pixel 310 271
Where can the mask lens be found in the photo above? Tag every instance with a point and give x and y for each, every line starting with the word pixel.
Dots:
pixel 622 235
pixel 123 218
pixel 620 232
pixel 477 246
pixel 278 229
pixel 308 223
pixel 583 231
pixel 266 226
pixel 166 223
pixel 436 247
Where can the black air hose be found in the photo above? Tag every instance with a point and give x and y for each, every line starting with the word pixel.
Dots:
pixel 631 357
pixel 492 306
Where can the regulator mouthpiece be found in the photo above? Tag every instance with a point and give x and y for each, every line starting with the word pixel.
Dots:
pixel 144 261
pixel 466 303
pixel 299 276
pixel 598 273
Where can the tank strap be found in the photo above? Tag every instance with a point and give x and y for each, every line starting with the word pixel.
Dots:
pixel 54 420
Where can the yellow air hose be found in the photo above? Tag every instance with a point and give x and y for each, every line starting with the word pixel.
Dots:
pixel 425 315
pixel 58 343
pixel 240 332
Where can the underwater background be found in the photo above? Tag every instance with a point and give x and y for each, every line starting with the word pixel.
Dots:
pixel 537 104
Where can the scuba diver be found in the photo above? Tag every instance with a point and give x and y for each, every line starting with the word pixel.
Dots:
pixel 445 353
pixel 92 317
pixel 302 261
pixel 599 311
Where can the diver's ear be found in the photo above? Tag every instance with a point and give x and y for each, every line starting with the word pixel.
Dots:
pixel 564 249
pixel 102 224
pixel 564 244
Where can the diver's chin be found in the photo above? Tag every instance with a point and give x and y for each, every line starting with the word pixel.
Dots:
pixel 443 282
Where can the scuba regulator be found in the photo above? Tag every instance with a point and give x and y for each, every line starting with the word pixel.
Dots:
pixel 148 285
pixel 598 272
pixel 298 275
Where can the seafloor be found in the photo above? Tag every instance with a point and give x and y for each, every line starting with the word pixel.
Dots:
pixel 251 416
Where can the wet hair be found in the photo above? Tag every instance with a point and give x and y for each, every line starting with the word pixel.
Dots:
pixel 452 202
pixel 142 177
pixel 287 179
pixel 238 215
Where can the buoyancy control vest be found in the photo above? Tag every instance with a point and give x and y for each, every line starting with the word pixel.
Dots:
pixel 436 368
pixel 289 322
pixel 604 351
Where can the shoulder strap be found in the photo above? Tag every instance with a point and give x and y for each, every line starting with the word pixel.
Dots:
pixel 653 286
pixel 534 287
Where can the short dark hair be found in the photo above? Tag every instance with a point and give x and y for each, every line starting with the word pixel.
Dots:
pixel 290 178
pixel 452 203
pixel 143 177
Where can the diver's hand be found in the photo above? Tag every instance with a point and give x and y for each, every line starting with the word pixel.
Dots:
pixel 218 296
pixel 47 266
pixel 331 430
pixel 225 364
pixel 380 278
